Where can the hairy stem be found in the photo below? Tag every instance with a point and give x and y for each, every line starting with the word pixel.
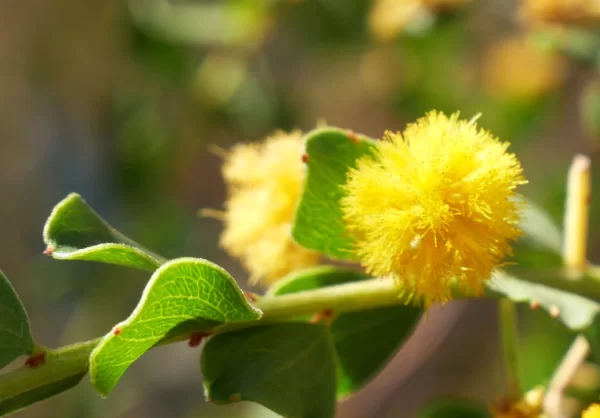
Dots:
pixel 356 296
pixel 59 364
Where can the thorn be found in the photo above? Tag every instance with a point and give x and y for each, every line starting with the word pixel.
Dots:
pixel 325 315
pixel 49 250
pixel 353 136
pixel 36 361
pixel 216 214
pixel 251 297
pixel 305 158
pixel 234 398
pixel 554 311
pixel 534 304
pixel 197 337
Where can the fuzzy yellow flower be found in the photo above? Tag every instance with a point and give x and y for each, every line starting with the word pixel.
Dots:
pixel 592 412
pixel 390 17
pixel 433 207
pixel 560 11
pixel 265 181
pixel 514 68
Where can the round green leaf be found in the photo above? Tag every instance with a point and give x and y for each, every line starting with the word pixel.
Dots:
pixel 287 367
pixel 75 232
pixel 364 341
pixel 183 295
pixel 318 224
pixel 15 333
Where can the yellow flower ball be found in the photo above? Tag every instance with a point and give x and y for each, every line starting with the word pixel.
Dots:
pixel 592 412
pixel 513 68
pixel 434 206
pixel 265 181
pixel 560 11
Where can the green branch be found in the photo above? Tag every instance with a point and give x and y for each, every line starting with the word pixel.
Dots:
pixel 72 360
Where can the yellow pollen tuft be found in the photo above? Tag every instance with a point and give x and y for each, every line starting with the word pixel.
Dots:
pixel 434 207
pixel 264 182
pixel 592 412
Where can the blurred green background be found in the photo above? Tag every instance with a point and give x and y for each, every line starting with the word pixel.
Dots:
pixel 120 101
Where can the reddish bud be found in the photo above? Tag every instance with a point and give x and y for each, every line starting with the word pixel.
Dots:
pixel 325 315
pixel 251 297
pixel 36 361
pixel 234 398
pixel 534 304
pixel 305 158
pixel 116 331
pixel 353 136
pixel 196 338
pixel 49 250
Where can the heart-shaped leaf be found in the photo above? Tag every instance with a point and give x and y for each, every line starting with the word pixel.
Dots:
pixel 318 224
pixel 183 295
pixel 74 231
pixel 15 333
pixel 287 367
pixel 364 341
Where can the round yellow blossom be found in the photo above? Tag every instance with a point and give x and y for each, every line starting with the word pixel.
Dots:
pixel 560 11
pixel 265 181
pixel 390 17
pixel 592 412
pixel 433 207
pixel 516 69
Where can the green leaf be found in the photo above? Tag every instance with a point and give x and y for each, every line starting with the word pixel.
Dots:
pixel 453 408
pixel 314 278
pixel 540 230
pixel 15 333
pixel 183 295
pixel 364 341
pixel 318 224
pixel 287 367
pixel 576 312
pixel 75 232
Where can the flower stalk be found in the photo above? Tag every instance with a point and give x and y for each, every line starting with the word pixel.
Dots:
pixel 576 215
pixel 510 347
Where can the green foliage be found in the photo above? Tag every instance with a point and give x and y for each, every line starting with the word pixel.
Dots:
pixel 453 408
pixel 362 341
pixel 15 333
pixel 75 232
pixel 184 295
pixel 576 312
pixel 318 224
pixel 287 367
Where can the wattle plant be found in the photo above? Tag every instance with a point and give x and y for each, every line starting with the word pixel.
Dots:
pixel 421 217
